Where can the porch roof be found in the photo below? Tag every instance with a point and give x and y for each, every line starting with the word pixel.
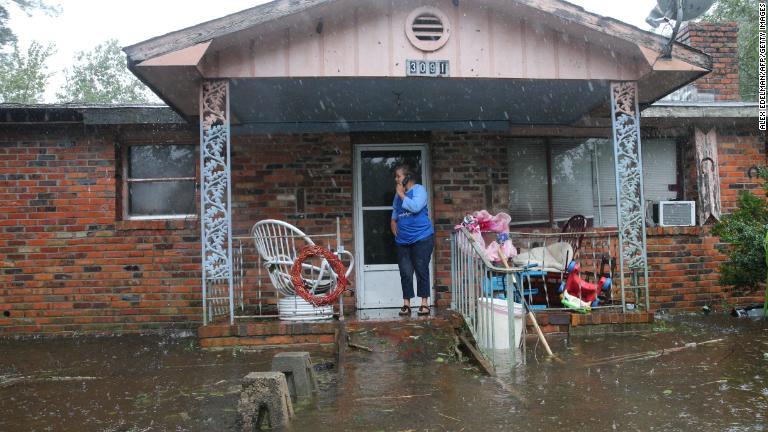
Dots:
pixel 339 65
pixel 684 114
pixel 702 110
pixel 87 114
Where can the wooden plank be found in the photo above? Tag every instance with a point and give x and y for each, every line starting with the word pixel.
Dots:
pixel 484 364
pixel 708 175
pixel 342 338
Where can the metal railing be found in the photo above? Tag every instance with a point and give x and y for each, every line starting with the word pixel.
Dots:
pixel 255 296
pixel 598 254
pixel 475 281
pixel 253 291
pixel 473 276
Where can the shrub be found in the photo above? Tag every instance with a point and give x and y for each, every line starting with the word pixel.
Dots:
pixel 745 230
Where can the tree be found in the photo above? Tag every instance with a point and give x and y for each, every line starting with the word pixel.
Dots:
pixel 27 6
pixel 101 76
pixel 25 75
pixel 745 12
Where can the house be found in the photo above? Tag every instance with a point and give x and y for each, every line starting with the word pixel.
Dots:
pixel 126 218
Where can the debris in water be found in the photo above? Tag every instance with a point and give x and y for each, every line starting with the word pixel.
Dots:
pixel 449 417
pixel 393 397
pixel 360 347
pixel 649 354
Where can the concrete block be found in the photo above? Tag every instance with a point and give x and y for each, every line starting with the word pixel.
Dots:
pixel 298 371
pixel 264 400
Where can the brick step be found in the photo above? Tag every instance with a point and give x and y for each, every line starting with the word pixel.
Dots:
pixel 275 333
pixel 550 322
pixel 601 323
pixel 600 317
pixel 267 334
pixel 283 333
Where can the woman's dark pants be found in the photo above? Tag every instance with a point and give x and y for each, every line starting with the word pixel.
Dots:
pixel 415 257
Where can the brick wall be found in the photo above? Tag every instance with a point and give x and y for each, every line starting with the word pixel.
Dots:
pixel 683 270
pixel 719 40
pixel 68 263
pixel 305 180
pixel 469 172
pixel 684 262
pixel 737 153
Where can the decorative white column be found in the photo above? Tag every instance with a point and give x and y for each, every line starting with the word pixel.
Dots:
pixel 630 204
pixel 216 198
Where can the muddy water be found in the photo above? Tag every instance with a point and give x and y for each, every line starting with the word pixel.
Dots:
pixel 134 383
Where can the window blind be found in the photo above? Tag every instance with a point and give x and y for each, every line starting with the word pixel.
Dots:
pixel 528 202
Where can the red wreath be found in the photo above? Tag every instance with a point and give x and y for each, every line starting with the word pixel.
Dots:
pixel 336 265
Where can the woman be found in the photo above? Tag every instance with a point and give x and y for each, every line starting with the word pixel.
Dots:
pixel 414 237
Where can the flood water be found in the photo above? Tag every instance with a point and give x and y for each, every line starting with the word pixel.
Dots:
pixel 612 382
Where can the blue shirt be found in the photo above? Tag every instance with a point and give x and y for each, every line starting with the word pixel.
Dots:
pixel 412 216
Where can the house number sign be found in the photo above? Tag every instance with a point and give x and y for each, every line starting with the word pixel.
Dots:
pixel 427 68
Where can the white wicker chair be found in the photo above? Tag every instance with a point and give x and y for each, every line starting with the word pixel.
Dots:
pixel 279 244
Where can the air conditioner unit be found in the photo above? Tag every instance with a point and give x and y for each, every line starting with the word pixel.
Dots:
pixel 675 213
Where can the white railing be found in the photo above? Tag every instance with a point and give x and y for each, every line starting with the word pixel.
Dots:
pixel 484 292
pixel 255 293
pixel 597 253
pixel 473 277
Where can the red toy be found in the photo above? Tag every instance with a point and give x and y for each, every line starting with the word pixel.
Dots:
pixel 578 287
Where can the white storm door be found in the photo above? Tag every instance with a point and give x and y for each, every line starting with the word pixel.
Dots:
pixel 378 277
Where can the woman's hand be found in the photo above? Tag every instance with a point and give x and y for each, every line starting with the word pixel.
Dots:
pixel 393 227
pixel 400 190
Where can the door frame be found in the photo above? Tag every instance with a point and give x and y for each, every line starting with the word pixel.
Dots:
pixel 426 178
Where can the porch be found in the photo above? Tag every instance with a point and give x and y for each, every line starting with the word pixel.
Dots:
pixel 263 334
pixel 289 101
pixel 318 183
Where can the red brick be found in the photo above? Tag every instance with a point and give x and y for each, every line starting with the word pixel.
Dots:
pixel 719 40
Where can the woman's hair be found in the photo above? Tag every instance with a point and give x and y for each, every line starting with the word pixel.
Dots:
pixel 406 169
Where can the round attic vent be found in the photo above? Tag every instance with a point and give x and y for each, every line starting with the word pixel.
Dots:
pixel 427 28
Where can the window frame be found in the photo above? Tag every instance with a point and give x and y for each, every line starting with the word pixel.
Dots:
pixel 127 181
pixel 552 221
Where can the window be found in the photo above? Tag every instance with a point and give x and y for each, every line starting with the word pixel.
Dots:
pixel 159 181
pixel 554 179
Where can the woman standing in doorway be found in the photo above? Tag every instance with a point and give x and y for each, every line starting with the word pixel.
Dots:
pixel 414 237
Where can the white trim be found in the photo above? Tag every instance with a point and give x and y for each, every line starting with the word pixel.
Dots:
pixel 163 217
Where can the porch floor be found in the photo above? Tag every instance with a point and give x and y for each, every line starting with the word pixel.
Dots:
pixel 272 333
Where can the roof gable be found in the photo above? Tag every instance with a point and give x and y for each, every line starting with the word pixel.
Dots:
pixel 269 16
pixel 489 39
pixel 370 41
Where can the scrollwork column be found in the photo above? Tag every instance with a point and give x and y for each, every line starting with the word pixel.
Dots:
pixel 216 197
pixel 630 203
